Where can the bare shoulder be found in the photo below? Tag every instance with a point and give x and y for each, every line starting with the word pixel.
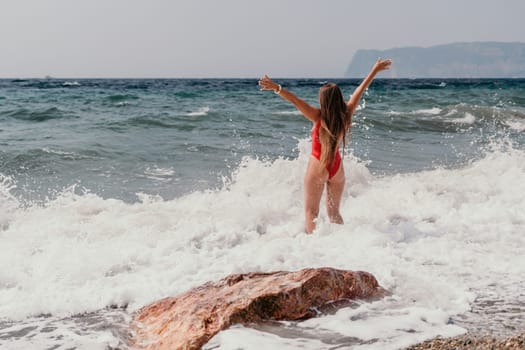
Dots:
pixel 316 115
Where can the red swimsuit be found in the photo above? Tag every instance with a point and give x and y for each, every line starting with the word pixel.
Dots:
pixel 316 151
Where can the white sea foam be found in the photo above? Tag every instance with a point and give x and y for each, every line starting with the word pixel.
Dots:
pixel 65 154
pixel 45 333
pixel 71 83
pixel 467 119
pixel 429 111
pixel 436 239
pixel 518 125
pixel 361 106
pixel 452 112
pixel 294 112
pixel 200 112
pixel 158 173
pixel 426 111
pixel 61 153
pixel 8 203
pixel 395 113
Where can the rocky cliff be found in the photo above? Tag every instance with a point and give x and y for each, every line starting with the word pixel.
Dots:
pixel 458 60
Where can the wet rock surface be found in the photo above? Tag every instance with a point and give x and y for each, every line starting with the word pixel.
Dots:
pixel 191 319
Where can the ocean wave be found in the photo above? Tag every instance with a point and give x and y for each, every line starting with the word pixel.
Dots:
pixel 36 115
pixel 8 202
pixel 159 173
pixel 45 83
pixel 152 121
pixel 452 118
pixel 424 111
pixel 293 112
pixel 71 83
pixel 186 94
pixel 516 125
pixel 490 116
pixel 430 111
pixel 202 111
pixel 467 119
pixel 423 251
pixel 63 154
pixel 234 229
pixel 46 158
pixel 122 98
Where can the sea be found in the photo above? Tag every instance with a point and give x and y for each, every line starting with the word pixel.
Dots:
pixel 115 193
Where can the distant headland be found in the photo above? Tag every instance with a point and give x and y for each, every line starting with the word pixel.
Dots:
pixel 457 60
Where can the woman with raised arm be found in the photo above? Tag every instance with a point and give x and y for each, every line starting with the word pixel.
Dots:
pixel 331 122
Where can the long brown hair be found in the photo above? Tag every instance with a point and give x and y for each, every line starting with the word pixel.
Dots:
pixel 335 120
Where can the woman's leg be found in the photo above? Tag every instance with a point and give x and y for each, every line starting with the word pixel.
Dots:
pixel 334 193
pixel 314 181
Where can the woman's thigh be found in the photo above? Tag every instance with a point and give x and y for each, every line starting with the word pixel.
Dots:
pixel 314 182
pixel 334 190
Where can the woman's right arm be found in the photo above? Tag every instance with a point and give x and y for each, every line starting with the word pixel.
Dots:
pixel 379 66
pixel 310 112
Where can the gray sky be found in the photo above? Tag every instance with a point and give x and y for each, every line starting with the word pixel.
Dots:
pixel 232 38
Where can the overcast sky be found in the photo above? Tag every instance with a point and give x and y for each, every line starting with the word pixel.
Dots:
pixel 232 38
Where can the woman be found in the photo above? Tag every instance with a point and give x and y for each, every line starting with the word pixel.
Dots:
pixel 331 122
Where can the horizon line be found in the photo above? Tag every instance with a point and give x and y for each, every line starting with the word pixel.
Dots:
pixel 246 78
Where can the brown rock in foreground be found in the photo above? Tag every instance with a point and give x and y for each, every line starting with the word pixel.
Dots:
pixel 190 320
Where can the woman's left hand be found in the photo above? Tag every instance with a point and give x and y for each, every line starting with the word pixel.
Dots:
pixel 266 83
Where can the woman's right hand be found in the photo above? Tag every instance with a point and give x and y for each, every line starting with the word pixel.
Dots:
pixel 265 83
pixel 382 65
